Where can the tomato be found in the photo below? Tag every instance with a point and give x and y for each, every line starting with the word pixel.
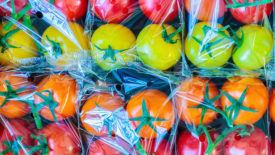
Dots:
pixel 11 81
pixel 255 49
pixel 208 49
pixel 22 49
pixel 273 147
pixel 72 9
pixel 206 10
pixel 157 146
pixel 114 11
pixel 157 50
pixel 65 51
pixel 187 144
pixel 13 129
pixel 272 105
pixel 62 139
pixel 113 46
pixel 104 100
pixel 151 113
pixel 160 11
pixel 192 93
pixel 255 144
pixel 18 5
pixel 255 98
pixel 252 14
pixel 64 90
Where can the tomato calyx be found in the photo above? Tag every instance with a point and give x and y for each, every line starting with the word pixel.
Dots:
pixel 4 40
pixel 110 52
pixel 169 38
pixel 139 149
pixel 13 146
pixel 246 3
pixel 146 119
pixel 56 48
pixel 42 145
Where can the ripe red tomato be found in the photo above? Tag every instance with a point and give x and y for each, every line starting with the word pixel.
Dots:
pixel 114 11
pixel 19 5
pixel 160 11
pixel 273 147
pixel 61 139
pixel 255 144
pixel 187 144
pixel 252 14
pixel 72 9
pixel 157 146
pixel 17 127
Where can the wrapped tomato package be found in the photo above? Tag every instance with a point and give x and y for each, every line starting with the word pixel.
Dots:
pixel 229 36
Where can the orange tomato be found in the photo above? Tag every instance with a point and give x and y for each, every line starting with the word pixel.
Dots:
pixel 105 100
pixel 256 98
pixel 18 82
pixel 153 108
pixel 272 105
pixel 64 90
pixel 191 93
pixel 208 9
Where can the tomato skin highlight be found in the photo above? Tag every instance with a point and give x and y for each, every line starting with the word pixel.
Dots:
pixel 114 11
pixel 160 11
pixel 157 146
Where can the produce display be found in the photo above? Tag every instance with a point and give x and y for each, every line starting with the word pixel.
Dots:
pixel 137 77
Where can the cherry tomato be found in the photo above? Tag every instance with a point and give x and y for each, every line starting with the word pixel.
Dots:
pixel 104 100
pixel 150 111
pixel 160 11
pixel 255 49
pixel 17 86
pixel 62 139
pixel 255 144
pixel 72 9
pixel 13 129
pixel 64 90
pixel 206 10
pixel 65 51
pixel 157 50
pixel 5 10
pixel 273 147
pixel 113 46
pixel 187 144
pixel 192 93
pixel 272 105
pixel 251 14
pixel 114 11
pixel 157 146
pixel 208 51
pixel 255 98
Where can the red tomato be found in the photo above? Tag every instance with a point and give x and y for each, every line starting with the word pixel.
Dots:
pixel 61 139
pixel 14 128
pixel 273 147
pixel 252 14
pixel 157 146
pixel 114 11
pixel 187 144
pixel 19 5
pixel 72 9
pixel 255 144
pixel 160 11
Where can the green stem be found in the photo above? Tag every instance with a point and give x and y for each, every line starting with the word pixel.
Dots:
pixel 247 4
pixel 169 38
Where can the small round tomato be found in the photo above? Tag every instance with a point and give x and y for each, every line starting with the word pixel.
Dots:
pixel 64 50
pixel 62 139
pixel 250 99
pixel 5 10
pixel 159 46
pixel 16 47
pixel 105 100
pixel 206 10
pixel 160 11
pixel 256 143
pixel 113 46
pixel 114 11
pixel 272 105
pixel 151 113
pixel 14 86
pixel 255 49
pixel 250 14
pixel 64 90
pixel 15 128
pixel 192 93
pixel 187 144
pixel 72 9
pixel 207 49
pixel 157 146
